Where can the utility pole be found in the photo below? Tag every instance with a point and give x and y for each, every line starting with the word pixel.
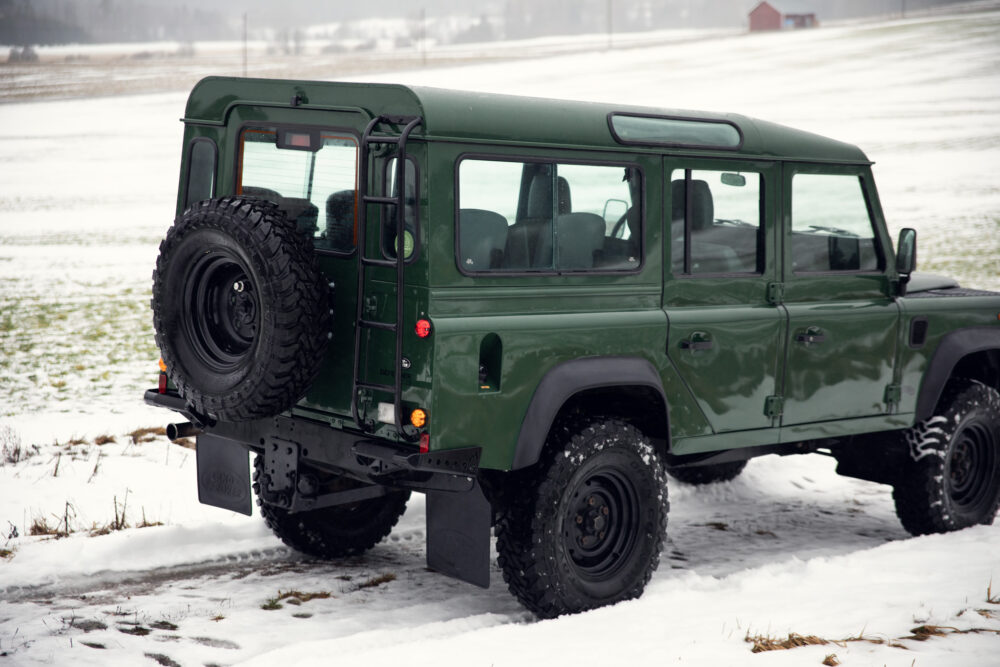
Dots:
pixel 244 45
pixel 423 37
pixel 904 9
pixel 611 20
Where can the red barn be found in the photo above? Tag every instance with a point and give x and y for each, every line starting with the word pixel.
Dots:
pixel 765 17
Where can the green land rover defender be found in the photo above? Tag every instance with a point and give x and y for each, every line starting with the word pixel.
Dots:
pixel 532 311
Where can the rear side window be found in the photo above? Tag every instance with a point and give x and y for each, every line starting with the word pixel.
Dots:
pixel 716 222
pixel 522 217
pixel 832 228
pixel 201 171
pixel 310 174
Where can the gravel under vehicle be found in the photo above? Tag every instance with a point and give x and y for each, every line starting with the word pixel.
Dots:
pixel 533 311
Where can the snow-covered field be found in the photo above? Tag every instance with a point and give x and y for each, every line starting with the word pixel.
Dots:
pixel 86 191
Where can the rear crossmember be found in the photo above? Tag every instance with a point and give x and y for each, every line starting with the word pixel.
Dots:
pixel 459 516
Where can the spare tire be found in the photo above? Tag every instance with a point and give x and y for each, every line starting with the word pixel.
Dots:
pixel 240 308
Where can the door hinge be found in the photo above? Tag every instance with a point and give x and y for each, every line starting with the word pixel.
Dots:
pixel 774 406
pixel 775 293
pixel 893 396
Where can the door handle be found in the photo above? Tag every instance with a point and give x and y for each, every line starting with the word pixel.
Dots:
pixel 697 342
pixel 810 336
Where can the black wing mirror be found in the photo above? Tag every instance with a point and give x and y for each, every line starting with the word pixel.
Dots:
pixel 906 257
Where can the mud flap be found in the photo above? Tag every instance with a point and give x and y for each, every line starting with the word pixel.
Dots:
pixel 458 535
pixel 223 474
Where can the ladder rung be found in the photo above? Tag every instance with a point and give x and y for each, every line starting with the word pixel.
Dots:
pixel 388 263
pixel 371 324
pixel 375 199
pixel 381 140
pixel 378 387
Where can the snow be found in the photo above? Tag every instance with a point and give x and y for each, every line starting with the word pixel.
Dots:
pixel 788 547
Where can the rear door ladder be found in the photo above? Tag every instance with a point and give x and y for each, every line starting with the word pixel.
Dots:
pixel 396 205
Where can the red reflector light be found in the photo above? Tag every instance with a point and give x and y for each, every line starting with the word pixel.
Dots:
pixel 423 328
pixel 162 386
pixel 425 443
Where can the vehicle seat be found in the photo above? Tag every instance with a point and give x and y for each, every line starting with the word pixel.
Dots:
pixel 482 238
pixel 578 237
pixel 340 220
pixel 529 240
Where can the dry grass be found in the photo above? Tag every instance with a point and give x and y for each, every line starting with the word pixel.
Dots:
pixel 147 434
pixel 104 440
pixel 6 553
pixel 377 581
pixel 763 643
pixel 921 633
pixel 293 598
pixel 992 599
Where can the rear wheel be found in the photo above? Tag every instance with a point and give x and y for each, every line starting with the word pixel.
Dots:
pixel 707 474
pixel 952 478
pixel 333 532
pixel 586 529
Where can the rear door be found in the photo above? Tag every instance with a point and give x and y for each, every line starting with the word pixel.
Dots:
pixel 842 320
pixel 725 334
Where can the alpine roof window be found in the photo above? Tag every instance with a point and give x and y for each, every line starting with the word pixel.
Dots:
pixel 642 130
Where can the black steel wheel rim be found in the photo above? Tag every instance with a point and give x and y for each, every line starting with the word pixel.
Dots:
pixel 972 467
pixel 600 524
pixel 222 311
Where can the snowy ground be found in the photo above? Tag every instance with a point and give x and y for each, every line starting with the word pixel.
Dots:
pixel 86 191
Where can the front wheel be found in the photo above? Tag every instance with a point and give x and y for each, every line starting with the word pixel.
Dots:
pixel 587 528
pixel 952 479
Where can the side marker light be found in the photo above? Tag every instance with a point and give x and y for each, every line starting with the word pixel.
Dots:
pixel 423 328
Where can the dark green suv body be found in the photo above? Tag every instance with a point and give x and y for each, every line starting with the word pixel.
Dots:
pixel 531 309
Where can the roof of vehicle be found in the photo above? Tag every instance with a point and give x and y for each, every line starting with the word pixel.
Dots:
pixel 489 118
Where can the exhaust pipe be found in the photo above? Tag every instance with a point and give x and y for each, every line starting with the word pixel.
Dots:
pixel 183 430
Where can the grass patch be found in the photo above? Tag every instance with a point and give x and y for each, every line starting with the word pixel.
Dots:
pixel 163 625
pixel 104 440
pixel 990 598
pixel 134 630
pixel 6 553
pixel 161 659
pixel 377 581
pixel 921 633
pixel 294 598
pixel 147 434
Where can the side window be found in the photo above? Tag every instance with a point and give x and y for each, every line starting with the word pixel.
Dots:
pixel 716 222
pixel 201 171
pixel 310 174
pixel 547 217
pixel 390 188
pixel 831 226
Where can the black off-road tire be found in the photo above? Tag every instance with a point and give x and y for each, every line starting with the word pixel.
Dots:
pixel 333 532
pixel 708 474
pixel 585 527
pixel 240 308
pixel 952 477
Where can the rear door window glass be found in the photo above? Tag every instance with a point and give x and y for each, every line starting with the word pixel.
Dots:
pixel 310 174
